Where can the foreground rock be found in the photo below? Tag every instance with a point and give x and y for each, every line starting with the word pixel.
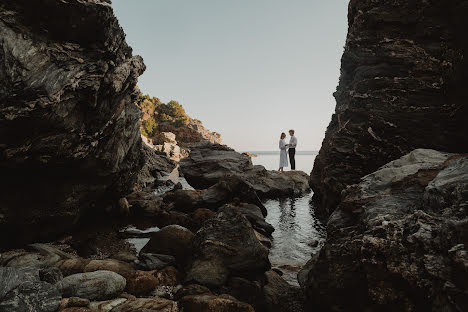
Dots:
pixel 147 305
pixel 400 88
pixel 226 246
pixel 67 101
pixel 98 285
pixel 173 240
pixel 207 164
pixel 22 290
pixel 155 166
pixel 210 303
pixel 227 190
pixel 398 239
pixel 280 296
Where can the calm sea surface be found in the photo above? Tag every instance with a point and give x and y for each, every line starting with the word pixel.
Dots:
pixel 298 233
pixel 270 160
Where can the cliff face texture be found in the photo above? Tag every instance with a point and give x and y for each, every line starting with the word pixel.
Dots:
pixel 398 241
pixel 397 229
pixel 403 78
pixel 69 131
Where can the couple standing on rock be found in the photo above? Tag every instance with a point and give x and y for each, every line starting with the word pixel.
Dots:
pixel 291 150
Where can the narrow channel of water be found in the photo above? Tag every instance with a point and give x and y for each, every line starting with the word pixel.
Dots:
pixel 298 234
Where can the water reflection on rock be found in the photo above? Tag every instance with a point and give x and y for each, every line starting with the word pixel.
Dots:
pixel 298 234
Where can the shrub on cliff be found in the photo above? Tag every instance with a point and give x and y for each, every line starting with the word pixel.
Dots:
pixel 148 127
pixel 175 111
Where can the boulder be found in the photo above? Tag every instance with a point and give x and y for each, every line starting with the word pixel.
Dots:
pixel 76 309
pixel 199 217
pixel 398 239
pixel 191 290
pixel 172 240
pixel 72 266
pixel 141 283
pixel 228 189
pixel 247 291
pixel 119 267
pixel 226 246
pixel 165 137
pixel 273 184
pixel 22 290
pixel 255 216
pixel 51 275
pixel 98 285
pixel 149 261
pixel 169 276
pixel 147 305
pixel 211 303
pixel 106 306
pixel 67 100
pixel 77 302
pixel 280 296
pixel 156 165
pixel 208 164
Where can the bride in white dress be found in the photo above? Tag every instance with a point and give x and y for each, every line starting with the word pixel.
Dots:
pixel 283 153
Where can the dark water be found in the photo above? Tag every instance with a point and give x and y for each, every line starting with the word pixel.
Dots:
pixel 298 234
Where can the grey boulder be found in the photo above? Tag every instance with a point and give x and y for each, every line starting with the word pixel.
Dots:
pixel 97 285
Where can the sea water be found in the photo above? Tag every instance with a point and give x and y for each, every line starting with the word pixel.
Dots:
pixel 270 160
pixel 298 232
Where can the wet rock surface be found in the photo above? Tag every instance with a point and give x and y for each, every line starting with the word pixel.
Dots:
pixel 226 245
pixel 207 164
pixel 402 82
pixel 398 239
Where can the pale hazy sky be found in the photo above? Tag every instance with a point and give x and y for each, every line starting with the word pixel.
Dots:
pixel 248 69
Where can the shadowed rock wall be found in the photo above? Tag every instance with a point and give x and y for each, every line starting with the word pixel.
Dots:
pixel 403 77
pixel 69 131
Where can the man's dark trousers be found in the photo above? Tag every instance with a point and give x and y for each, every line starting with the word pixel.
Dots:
pixel 292 160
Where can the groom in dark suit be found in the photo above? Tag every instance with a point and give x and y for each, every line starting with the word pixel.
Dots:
pixel 292 149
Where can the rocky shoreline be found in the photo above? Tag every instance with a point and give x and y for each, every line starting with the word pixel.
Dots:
pixel 93 219
pixel 206 250
pixel 391 174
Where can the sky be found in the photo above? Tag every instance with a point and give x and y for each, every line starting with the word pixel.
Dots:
pixel 248 69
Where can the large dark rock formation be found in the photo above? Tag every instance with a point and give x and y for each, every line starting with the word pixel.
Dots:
pixel 403 78
pixel 69 131
pixel 208 163
pixel 398 240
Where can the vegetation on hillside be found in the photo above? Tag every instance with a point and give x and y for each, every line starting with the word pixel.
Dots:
pixel 156 113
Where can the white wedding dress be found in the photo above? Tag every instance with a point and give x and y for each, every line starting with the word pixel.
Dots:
pixel 283 154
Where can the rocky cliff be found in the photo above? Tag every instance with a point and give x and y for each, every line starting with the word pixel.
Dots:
pixel 398 240
pixel 402 86
pixel 159 118
pixel 69 129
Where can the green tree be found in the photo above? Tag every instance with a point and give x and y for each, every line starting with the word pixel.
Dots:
pixel 149 127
